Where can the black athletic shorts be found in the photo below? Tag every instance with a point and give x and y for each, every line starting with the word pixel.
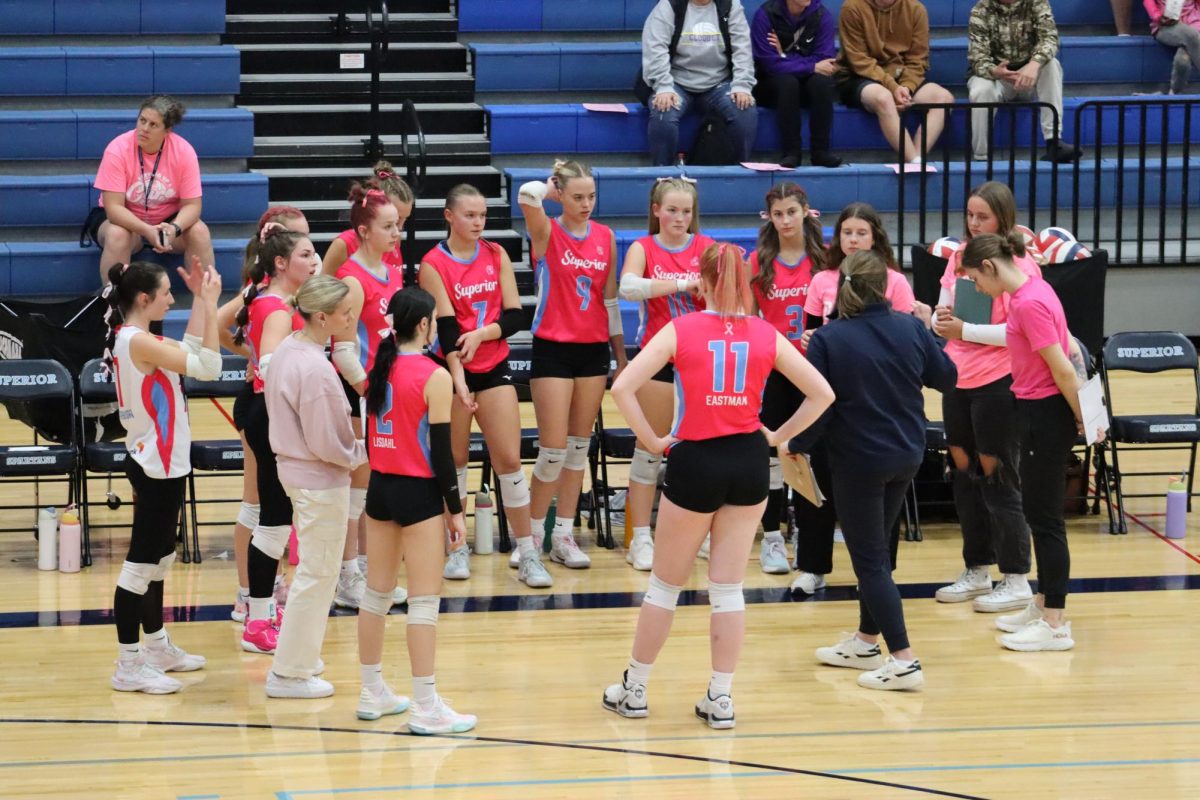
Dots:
pixel 732 470
pixel 499 375
pixel 155 514
pixel 569 359
pixel 241 405
pixel 664 375
pixel 352 396
pixel 402 499
pixel 852 88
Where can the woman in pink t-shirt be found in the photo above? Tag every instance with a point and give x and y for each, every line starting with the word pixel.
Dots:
pixel 149 182
pixel 1046 385
pixel 981 430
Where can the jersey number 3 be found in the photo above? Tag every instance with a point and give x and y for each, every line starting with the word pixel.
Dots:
pixel 741 352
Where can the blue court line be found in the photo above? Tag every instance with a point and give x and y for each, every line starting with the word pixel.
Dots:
pixel 596 600
pixel 198 797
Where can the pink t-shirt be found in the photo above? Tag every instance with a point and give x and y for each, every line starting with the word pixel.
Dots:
pixel 823 289
pixel 1035 321
pixel 981 364
pixel 151 194
pixel 1189 14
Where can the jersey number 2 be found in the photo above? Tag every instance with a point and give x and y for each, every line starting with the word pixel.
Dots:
pixel 382 426
pixel 741 353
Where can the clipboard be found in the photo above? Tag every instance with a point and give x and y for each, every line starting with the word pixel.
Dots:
pixel 970 304
pixel 798 474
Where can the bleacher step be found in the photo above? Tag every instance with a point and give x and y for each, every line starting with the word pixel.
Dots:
pixel 322 183
pixel 338 87
pixel 328 56
pixel 403 27
pixel 348 119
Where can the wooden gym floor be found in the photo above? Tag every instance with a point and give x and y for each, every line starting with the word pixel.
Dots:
pixel 1116 717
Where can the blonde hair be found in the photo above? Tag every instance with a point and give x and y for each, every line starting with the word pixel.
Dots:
pixel 991 247
pixel 385 179
pixel 865 276
pixel 566 171
pixel 723 268
pixel 320 293
pixel 660 189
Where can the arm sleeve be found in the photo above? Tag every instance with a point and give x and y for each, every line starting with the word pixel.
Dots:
pixel 979 45
pixel 995 335
pixel 1047 33
pixel 448 333
pixel 635 287
pixel 656 49
pixel 615 325
pixel 191 343
pixel 854 52
pixel 443 466
pixel 204 366
pixel 345 358
pixel 945 298
pixel 742 57
pixel 511 321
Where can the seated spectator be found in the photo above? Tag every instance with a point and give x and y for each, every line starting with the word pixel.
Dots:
pixel 1181 32
pixel 882 66
pixel 794 51
pixel 149 182
pixel 1010 55
pixel 694 52
pixel 1122 14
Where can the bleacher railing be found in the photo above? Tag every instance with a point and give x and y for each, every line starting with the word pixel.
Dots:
pixel 378 35
pixel 415 159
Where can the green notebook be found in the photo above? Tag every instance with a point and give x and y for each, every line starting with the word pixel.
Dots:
pixel 970 304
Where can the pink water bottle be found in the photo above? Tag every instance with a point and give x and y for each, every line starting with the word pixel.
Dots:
pixel 1176 508
pixel 69 535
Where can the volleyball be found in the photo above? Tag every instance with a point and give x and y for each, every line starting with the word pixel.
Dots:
pixel 945 247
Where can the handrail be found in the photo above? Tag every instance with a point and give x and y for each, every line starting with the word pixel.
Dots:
pixel 416 168
pixel 379 49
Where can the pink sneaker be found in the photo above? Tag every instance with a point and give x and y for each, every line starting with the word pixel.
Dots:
pixel 260 636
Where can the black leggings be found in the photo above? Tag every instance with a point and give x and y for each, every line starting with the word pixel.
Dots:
pixel 275 507
pixel 787 94
pixel 1048 433
pixel 155 523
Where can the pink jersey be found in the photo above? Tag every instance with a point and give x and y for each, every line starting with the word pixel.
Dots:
pixel 474 289
pixel 263 306
pixel 1035 321
pixel 154 188
pixel 721 367
pixel 783 304
pixel 823 289
pixel 399 433
pixel 392 259
pixel 571 278
pixel 981 364
pixel 669 265
pixel 377 293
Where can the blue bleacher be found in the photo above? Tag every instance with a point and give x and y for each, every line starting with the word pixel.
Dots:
pixel 74 71
pixel 47 17
pixel 83 134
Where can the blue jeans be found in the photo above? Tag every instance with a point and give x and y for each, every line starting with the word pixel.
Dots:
pixel 663 129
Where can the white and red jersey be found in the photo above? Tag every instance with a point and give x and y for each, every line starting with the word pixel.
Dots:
pixel 783 304
pixel 157 433
pixel 474 289
pixel 392 259
pixel 377 293
pixel 721 367
pixel 261 307
pixel 669 265
pixel 571 278
pixel 399 433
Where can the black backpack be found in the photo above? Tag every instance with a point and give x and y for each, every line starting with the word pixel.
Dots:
pixel 712 147
pixel 641 89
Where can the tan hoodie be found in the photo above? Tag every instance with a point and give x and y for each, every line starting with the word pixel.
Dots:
pixel 889 45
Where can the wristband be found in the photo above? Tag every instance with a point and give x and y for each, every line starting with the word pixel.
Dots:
pixel 681 284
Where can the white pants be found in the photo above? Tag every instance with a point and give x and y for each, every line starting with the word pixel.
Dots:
pixel 320 517
pixel 1048 89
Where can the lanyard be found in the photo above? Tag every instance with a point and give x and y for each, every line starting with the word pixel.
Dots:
pixel 147 184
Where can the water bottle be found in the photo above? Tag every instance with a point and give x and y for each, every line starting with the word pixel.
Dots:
pixel 69 535
pixel 483 522
pixel 1176 508
pixel 47 537
pixel 548 528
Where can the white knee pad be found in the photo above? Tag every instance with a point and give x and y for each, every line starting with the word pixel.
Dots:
pixel 136 577
pixel 378 603
pixel 462 482
pixel 644 467
pixel 776 473
pixel 358 501
pixel 164 566
pixel 248 515
pixel 424 610
pixel 550 462
pixel 271 539
pixel 725 598
pixel 577 452
pixel 514 489
pixel 662 594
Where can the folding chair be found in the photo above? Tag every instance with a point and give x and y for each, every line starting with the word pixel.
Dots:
pixel 37 381
pixel 215 457
pixel 1149 352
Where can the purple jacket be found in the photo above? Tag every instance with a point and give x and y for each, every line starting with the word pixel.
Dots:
pixel 766 57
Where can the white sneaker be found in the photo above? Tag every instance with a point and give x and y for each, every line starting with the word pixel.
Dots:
pixel 626 699
pixel 399 595
pixel 704 548
pixel 533 573
pixel 374 706
pixel 241 606
pixel 458 565
pixel 717 712
pixel 350 591
pixel 772 557
pixel 972 582
pixel 641 553
pixel 514 558
pixel 1011 593
pixel 808 583
pixel 439 718
pixel 1037 636
pixel 169 657
pixel 893 677
pixel 564 550
pixel 299 688
pixel 1011 623
pixel 851 652
pixel 138 676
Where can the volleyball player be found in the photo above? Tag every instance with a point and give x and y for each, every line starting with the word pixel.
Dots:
pixel 373 274
pixel 980 416
pixel 413 490
pixel 345 244
pixel 662 272
pixel 717 473
pixel 478 308
pixel 1046 385
pixel 159 442
pixel 576 325
pixel 790 248
pixel 285 260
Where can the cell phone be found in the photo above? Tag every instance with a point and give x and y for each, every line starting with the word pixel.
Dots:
pixel 162 238
pixel 1016 65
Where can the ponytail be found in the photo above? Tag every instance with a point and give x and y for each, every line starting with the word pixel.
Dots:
pixel 125 283
pixel 723 269
pixel 276 214
pixel 863 283
pixel 992 247
pixel 275 241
